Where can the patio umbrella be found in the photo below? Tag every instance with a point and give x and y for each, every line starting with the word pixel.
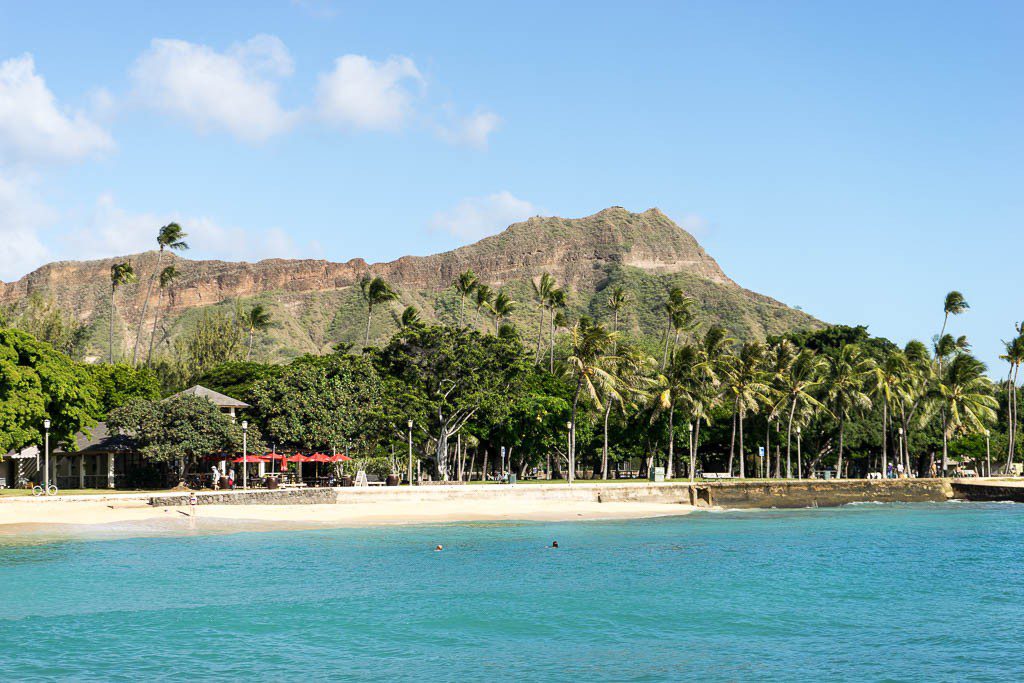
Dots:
pixel 299 458
pixel 271 457
pixel 250 458
pixel 319 458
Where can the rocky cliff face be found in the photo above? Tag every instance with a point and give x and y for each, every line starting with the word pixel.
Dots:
pixel 313 299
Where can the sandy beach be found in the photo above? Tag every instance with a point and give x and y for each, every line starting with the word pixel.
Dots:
pixel 132 516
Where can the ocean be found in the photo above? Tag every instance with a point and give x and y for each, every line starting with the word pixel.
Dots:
pixel 901 592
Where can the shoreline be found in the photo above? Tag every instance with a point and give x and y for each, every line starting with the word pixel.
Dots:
pixel 121 514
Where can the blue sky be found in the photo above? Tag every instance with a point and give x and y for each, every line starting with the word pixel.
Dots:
pixel 855 159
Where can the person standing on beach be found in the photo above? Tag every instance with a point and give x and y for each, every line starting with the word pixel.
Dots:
pixel 193 500
pixel 231 478
pixel 216 478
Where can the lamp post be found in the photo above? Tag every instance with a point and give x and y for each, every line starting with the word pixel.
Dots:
pixel 903 460
pixel 693 469
pixel 245 454
pixel 799 459
pixel 988 455
pixel 409 425
pixel 569 450
pixel 46 458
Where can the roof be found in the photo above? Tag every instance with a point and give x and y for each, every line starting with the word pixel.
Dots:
pixel 217 398
pixel 26 453
pixel 100 441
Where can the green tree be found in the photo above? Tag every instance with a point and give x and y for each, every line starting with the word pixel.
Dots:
pixel 167 277
pixel 410 319
pixel 121 383
pixel 170 236
pixel 681 318
pixel 216 338
pixel 256 319
pixel 964 395
pixel 120 274
pixel 484 298
pixel 618 300
pixel 589 354
pixel 799 386
pixel 375 291
pixel 180 430
pixel 37 382
pixel 542 287
pixel 675 389
pixel 502 308
pixel 1014 356
pixel 465 285
pixel 846 375
pixel 556 301
pixel 745 387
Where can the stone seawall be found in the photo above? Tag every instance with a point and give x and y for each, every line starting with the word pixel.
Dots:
pixel 821 493
pixel 728 494
pixel 261 497
pixel 989 491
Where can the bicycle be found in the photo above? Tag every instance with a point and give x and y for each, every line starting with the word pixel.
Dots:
pixel 50 490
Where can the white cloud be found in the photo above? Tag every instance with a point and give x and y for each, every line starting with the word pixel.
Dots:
pixel 476 217
pixel 113 231
pixel 473 131
pixel 235 90
pixel 33 127
pixel 362 93
pixel 22 215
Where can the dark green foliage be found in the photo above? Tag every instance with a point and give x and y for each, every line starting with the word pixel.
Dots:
pixel 120 383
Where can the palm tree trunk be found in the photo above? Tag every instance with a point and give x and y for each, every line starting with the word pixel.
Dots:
pixel 248 351
pixel 462 310
pixel 839 462
pixel 145 304
pixel 668 336
pixel 696 442
pixel 885 438
pixel 732 441
pixel 111 344
pixel 156 319
pixel 789 441
pixel 572 431
pixel 540 332
pixel 768 448
pixel 551 367
pixel 671 440
pixel 743 469
pixel 604 452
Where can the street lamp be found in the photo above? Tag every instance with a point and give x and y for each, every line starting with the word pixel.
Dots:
pixel 693 473
pixel 902 458
pixel 799 458
pixel 46 458
pixel 988 455
pixel 245 454
pixel 569 450
pixel 409 424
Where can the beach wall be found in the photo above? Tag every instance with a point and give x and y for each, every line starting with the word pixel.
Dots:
pixel 986 491
pixel 728 494
pixel 830 493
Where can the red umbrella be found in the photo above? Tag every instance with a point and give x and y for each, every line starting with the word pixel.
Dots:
pixel 298 457
pixel 319 457
pixel 339 458
pixel 251 458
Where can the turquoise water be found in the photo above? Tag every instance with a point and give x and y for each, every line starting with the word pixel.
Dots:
pixel 864 592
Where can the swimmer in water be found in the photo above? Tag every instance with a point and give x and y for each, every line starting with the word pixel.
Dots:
pixel 554 544
pixel 439 548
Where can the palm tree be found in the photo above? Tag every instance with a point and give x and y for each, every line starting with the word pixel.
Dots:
pixel 780 358
pixel 375 290
pixel 953 304
pixel 628 370
pixel 799 384
pixel 1014 356
pixel 502 307
pixel 170 236
pixel 465 284
pixel 484 298
pixel 120 274
pixel 410 319
pixel 256 319
pixel 845 377
pixel 676 389
pixel 589 343
pixel 617 302
pixel 917 372
pixel 556 300
pixel 965 396
pixel 541 291
pixel 167 276
pixel 745 386
pixel 679 311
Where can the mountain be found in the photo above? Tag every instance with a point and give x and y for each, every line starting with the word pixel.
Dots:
pixel 316 303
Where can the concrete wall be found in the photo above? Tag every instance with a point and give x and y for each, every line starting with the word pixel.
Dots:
pixel 820 493
pixel 734 494
pixel 988 491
